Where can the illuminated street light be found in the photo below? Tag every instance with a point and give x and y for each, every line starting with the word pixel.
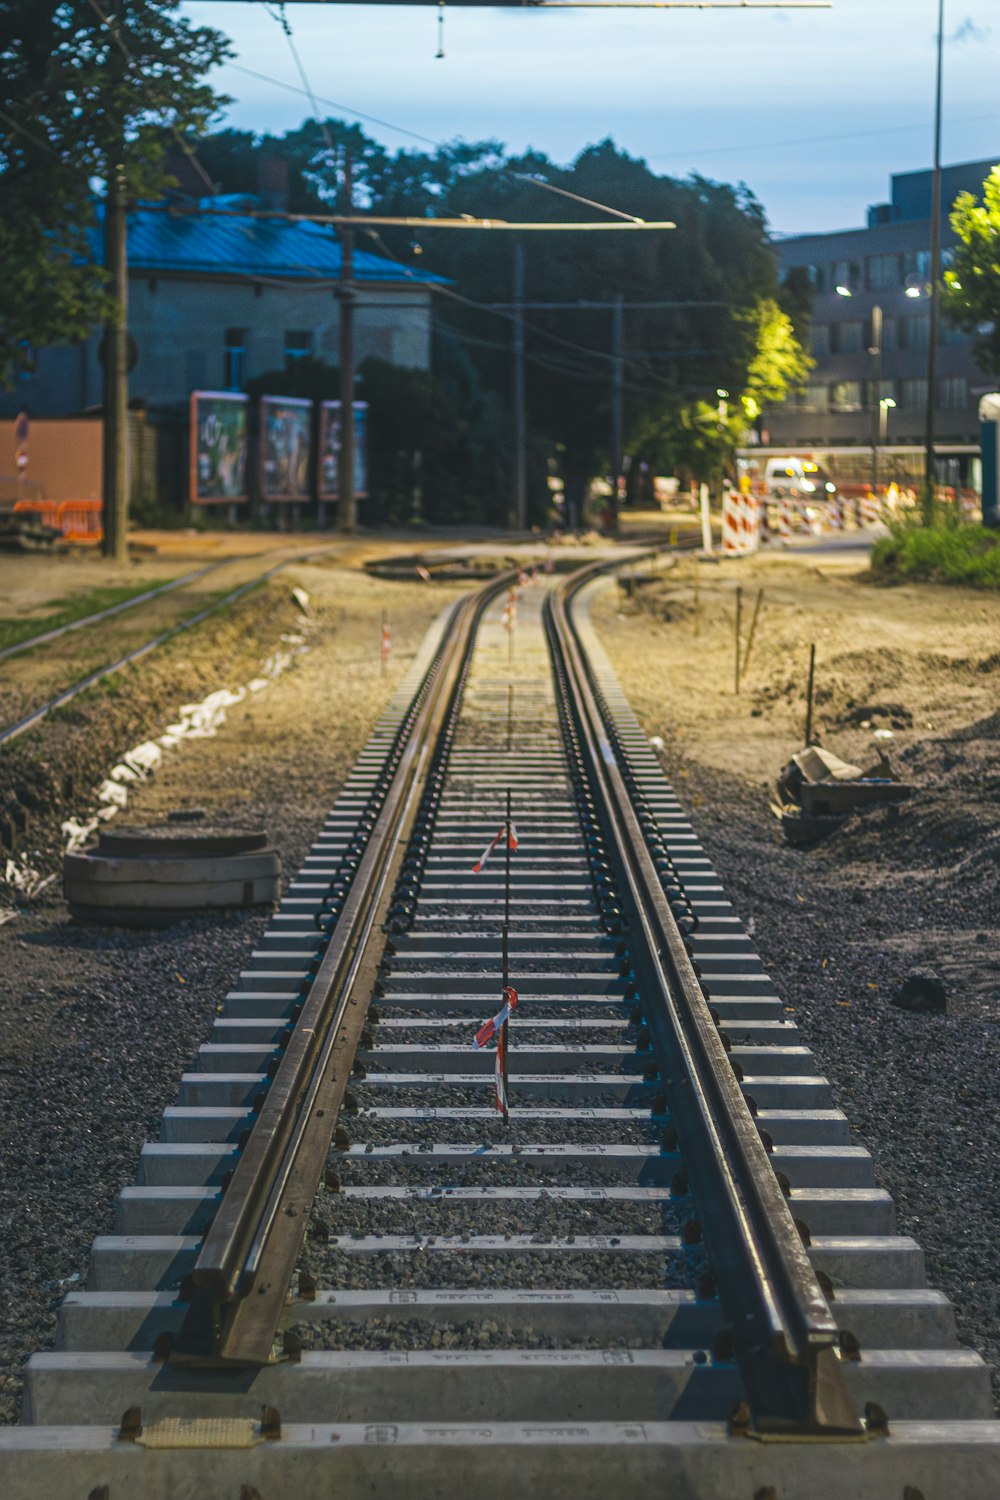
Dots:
pixel 844 291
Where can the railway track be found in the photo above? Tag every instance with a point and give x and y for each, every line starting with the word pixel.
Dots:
pixel 339 1267
pixel 41 711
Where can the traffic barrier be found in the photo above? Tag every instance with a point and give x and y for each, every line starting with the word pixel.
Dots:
pixel 871 508
pixel 47 511
pixel 740 522
pixel 78 520
pixel 81 520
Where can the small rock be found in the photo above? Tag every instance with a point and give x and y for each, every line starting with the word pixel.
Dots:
pixel 921 991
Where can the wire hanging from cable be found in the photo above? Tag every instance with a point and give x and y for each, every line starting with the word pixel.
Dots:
pixel 440 51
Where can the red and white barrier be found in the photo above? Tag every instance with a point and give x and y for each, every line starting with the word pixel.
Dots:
pixel 740 522
pixel 870 508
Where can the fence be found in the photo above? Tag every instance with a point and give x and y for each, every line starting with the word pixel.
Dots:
pixel 78 520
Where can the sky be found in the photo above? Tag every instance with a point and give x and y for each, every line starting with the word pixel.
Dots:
pixel 812 109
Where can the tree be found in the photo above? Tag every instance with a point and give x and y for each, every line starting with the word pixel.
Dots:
pixel 85 86
pixel 971 295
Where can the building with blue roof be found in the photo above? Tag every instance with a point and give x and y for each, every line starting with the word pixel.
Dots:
pixel 218 295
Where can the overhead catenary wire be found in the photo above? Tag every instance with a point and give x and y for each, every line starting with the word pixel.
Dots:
pixel 510 317
pixel 697 151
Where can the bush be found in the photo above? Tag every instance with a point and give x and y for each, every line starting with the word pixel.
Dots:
pixel 939 554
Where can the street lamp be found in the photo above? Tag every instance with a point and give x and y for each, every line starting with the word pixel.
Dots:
pixel 875 351
pixel 883 432
pixel 884 408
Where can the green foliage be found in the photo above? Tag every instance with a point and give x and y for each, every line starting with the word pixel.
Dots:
pixel 722 325
pixel 943 553
pixel 779 364
pixel 82 90
pixel 971 295
pixel 75 607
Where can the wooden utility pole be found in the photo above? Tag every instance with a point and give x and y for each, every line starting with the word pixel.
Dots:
pixel 520 424
pixel 347 517
pixel 115 372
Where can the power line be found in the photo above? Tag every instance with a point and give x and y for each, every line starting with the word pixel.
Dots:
pixel 815 140
pixel 416 135
pixel 511 317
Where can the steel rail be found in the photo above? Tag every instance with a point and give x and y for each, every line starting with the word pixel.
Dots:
pixel 11 731
pixel 784 1336
pixel 113 609
pixel 255 1238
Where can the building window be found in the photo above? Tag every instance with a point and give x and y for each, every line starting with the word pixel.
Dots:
pixel 298 345
pixel 953 393
pixel 813 398
pixel 845 396
pixel 884 271
pixel 890 339
pixel 819 340
pixel 914 333
pixel 952 334
pixel 913 394
pixel 847 338
pixel 917 265
pixel 235 359
pixel 847 273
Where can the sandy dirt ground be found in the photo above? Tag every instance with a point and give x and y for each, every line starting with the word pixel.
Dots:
pixel 917 886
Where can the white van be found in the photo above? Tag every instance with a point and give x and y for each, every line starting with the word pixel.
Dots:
pixel 801 478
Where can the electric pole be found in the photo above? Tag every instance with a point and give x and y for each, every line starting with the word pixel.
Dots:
pixel 930 463
pixel 520 431
pixel 347 518
pixel 617 394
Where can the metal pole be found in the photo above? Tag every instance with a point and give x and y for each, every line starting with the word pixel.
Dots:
pixel 347 517
pixel 876 352
pixel 115 378
pixel 506 948
pixel 930 466
pixel 617 393
pixel 520 425
pixel 809 695
pixel 739 621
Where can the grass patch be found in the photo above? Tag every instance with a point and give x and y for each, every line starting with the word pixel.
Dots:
pixel 968 555
pixel 68 611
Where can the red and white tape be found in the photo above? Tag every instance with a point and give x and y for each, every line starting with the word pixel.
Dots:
pixel 495 843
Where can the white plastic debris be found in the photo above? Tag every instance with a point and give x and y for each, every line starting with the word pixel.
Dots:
pixel 656 742
pixel 194 721
pixel 112 792
pixel 302 600
pixel 25 878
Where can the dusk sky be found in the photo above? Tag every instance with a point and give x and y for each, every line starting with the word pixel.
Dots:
pixel 812 109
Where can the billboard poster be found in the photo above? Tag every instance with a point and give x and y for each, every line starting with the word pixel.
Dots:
pixel 329 449
pixel 218 438
pixel 285 441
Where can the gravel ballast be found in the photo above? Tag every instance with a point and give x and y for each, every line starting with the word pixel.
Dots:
pixel 99 1023
pixel 840 926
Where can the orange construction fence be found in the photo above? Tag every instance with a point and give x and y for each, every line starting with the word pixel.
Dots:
pixel 78 520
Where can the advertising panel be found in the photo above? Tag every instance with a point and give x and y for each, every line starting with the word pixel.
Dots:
pixel 285 441
pixel 329 449
pixel 218 438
